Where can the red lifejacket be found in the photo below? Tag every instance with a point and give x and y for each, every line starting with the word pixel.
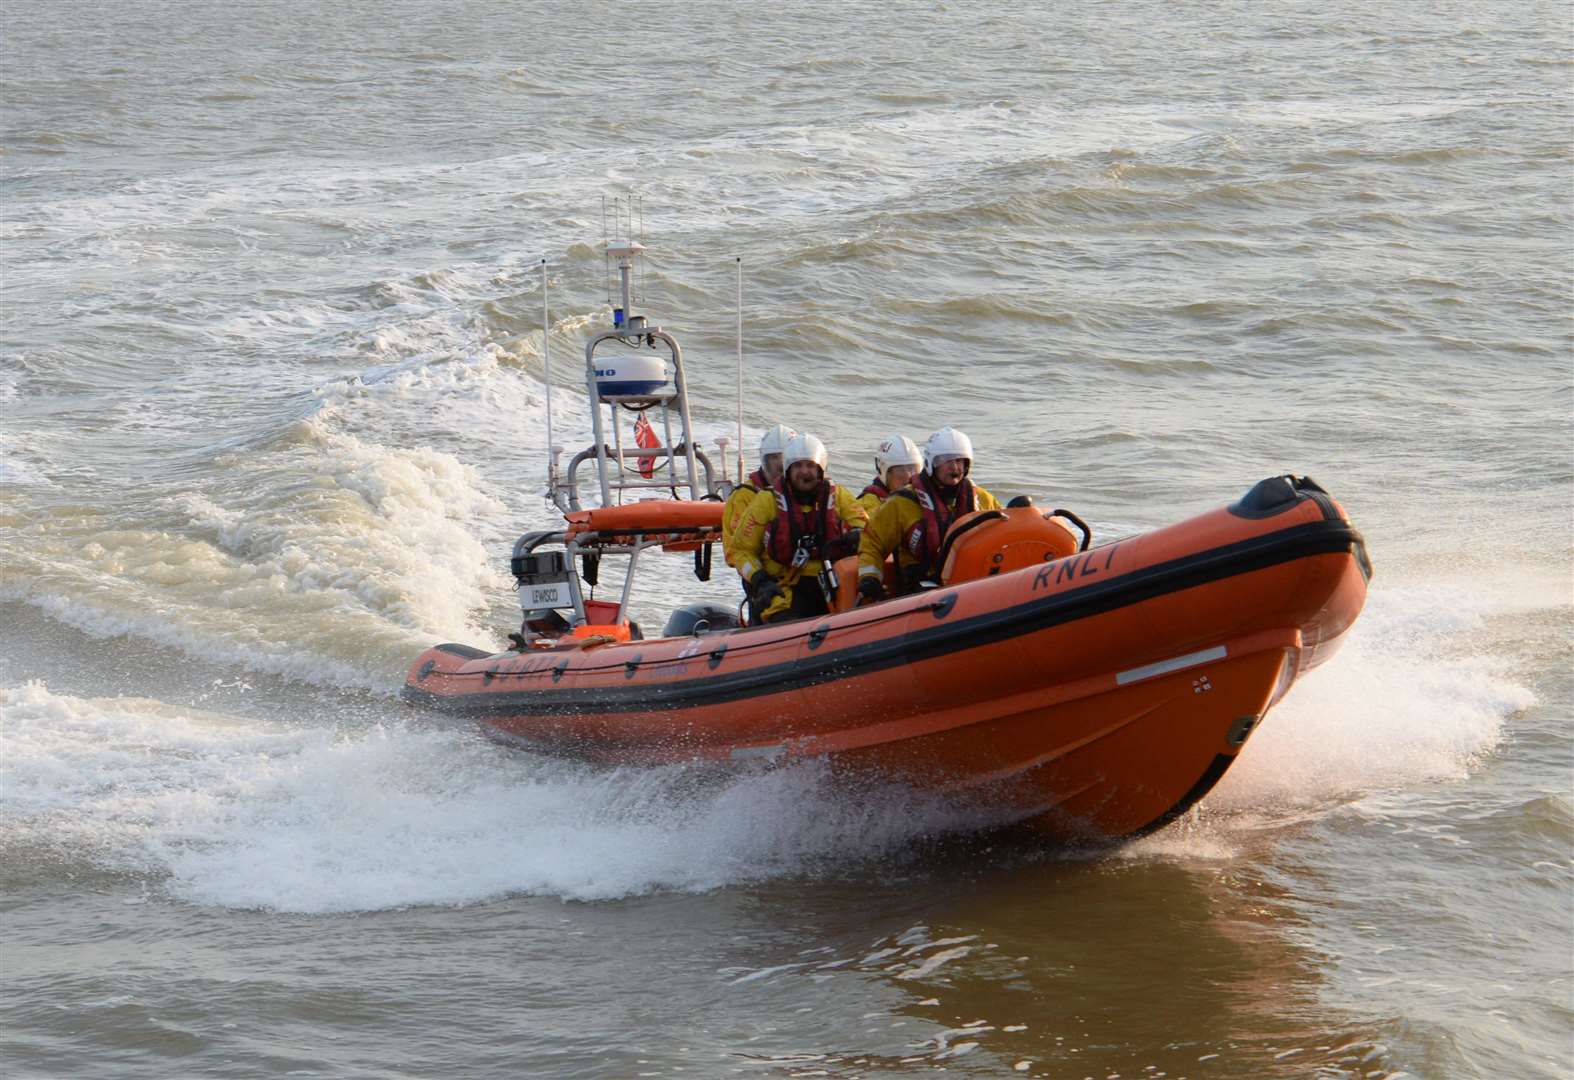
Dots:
pixel 792 521
pixel 876 487
pixel 756 481
pixel 923 539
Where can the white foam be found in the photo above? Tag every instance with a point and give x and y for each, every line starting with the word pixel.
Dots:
pixel 1416 697
pixel 305 318
pixel 1409 701
pixel 249 815
pixel 14 470
pixel 330 559
pixel 105 614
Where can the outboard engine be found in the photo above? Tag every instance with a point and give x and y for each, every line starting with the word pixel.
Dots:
pixel 696 619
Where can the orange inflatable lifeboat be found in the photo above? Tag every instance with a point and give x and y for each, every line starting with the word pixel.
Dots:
pixel 1093 692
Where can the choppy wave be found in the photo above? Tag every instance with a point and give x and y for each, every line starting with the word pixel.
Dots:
pixel 327 558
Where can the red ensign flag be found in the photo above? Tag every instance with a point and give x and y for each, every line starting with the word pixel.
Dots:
pixel 645 436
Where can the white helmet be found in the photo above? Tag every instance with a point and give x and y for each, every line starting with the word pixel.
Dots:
pixel 805 448
pixel 896 450
pixel 948 443
pixel 775 441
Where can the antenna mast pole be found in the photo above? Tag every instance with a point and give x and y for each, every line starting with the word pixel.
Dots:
pixel 546 375
pixel 739 260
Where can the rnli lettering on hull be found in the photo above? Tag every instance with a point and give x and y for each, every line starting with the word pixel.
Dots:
pixel 1073 567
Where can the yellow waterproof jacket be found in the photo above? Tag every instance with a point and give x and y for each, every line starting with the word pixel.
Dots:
pixel 732 516
pixel 746 551
pixel 870 502
pixel 888 529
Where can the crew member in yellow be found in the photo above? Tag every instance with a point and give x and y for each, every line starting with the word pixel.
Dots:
pixel 791 532
pixel 772 445
pixel 913 521
pixel 896 462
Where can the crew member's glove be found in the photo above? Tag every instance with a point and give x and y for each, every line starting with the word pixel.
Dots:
pixel 845 545
pixel 763 589
pixel 870 590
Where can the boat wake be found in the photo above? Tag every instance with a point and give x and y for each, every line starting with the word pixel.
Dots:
pixel 385 811
pixel 208 809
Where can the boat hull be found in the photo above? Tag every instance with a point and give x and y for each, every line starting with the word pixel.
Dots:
pixel 1096 696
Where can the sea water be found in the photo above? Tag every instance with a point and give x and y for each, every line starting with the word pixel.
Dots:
pixel 273 383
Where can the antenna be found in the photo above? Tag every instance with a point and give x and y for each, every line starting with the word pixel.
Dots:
pixel 626 254
pixel 606 261
pixel 546 375
pixel 739 260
